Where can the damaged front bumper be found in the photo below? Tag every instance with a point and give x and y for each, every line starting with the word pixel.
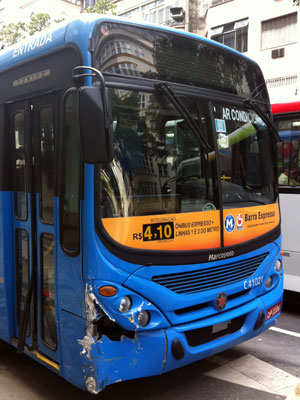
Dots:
pixel 112 354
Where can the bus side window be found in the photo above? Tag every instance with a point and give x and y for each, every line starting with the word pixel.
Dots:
pixel 71 180
pixel 21 206
pixel 288 153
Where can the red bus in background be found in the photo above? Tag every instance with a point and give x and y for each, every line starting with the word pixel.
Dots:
pixel 287 121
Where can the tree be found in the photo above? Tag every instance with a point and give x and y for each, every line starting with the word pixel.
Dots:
pixel 102 7
pixel 13 32
pixel 38 22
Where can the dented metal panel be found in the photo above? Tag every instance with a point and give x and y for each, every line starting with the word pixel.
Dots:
pixel 106 361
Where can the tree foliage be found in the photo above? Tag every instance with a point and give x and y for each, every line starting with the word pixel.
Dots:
pixel 13 32
pixel 102 7
pixel 38 22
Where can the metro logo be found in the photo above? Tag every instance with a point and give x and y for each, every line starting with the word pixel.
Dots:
pixel 229 223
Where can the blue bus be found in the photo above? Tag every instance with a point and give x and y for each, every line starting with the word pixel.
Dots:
pixel 139 219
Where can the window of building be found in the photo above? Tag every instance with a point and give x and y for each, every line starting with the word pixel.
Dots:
pixel 155 12
pixel 234 35
pixel 89 3
pixel 121 47
pixel 217 2
pixel 123 69
pixel 279 31
pixel 134 13
pixel 162 169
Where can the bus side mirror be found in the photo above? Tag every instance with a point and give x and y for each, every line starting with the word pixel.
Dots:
pixel 95 135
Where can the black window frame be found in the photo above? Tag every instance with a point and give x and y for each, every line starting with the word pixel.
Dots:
pixel 20 111
pixel 21 230
pixel 229 29
pixel 72 252
pixel 39 188
pixel 42 314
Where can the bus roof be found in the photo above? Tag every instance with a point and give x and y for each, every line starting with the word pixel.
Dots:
pixel 77 31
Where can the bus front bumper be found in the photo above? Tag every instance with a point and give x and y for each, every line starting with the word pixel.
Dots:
pixel 154 352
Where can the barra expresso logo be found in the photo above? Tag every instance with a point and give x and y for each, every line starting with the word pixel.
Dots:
pixel 259 216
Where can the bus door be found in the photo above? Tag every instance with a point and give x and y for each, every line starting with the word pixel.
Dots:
pixel 32 132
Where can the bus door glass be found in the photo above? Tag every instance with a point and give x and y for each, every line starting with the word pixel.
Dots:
pixel 32 132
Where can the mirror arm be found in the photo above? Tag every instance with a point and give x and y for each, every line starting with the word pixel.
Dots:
pixel 95 73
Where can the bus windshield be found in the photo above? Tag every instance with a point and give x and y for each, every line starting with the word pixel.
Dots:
pixel 245 157
pixel 160 168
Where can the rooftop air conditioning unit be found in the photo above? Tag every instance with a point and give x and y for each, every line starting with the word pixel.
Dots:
pixel 177 13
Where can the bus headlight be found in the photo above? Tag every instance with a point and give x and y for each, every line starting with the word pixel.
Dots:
pixel 125 304
pixel 278 266
pixel 269 282
pixel 143 318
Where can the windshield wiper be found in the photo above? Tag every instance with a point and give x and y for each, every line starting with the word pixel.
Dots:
pixel 252 104
pixel 181 108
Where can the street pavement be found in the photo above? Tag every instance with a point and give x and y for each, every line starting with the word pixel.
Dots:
pixel 266 367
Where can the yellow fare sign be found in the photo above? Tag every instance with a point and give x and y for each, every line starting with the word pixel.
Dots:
pixel 193 231
pixel 187 231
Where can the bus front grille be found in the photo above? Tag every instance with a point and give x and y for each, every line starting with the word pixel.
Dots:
pixel 200 336
pixel 211 277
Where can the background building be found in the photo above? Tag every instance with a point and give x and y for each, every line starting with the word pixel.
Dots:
pixel 21 10
pixel 265 30
pixel 268 32
pixel 188 15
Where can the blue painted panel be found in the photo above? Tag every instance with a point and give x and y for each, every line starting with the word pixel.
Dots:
pixel 72 328
pixel 24 225
pixel 27 49
pixel 108 362
pixel 168 300
pixel 70 285
pixel 7 319
pixel 245 333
